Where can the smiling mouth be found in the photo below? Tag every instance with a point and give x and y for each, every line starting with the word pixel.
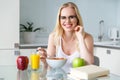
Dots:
pixel 68 26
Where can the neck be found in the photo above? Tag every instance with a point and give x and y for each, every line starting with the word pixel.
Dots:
pixel 68 36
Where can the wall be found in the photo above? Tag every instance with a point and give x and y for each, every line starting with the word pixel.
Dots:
pixel 43 13
pixel 118 13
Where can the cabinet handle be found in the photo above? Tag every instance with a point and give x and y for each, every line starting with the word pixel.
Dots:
pixel 108 51
pixel 17 51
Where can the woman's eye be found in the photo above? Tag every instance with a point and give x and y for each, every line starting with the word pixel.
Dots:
pixel 71 17
pixel 63 17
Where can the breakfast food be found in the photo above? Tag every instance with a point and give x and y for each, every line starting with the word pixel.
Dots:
pixel 56 62
pixel 55 58
pixel 22 62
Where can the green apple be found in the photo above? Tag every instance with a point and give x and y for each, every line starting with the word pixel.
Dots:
pixel 78 62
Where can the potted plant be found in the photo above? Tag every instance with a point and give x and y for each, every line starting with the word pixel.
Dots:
pixel 28 32
pixel 28 28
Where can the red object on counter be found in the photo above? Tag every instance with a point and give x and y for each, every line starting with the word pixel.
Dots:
pixel 22 62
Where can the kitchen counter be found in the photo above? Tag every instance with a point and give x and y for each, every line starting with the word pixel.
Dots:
pixel 32 46
pixel 108 44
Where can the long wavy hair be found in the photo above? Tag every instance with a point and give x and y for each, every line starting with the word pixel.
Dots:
pixel 58 28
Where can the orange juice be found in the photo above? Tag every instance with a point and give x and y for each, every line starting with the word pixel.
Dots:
pixel 35 60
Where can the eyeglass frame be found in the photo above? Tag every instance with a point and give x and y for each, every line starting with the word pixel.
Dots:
pixel 71 17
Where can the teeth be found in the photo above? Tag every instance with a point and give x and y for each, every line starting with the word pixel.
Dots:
pixel 68 25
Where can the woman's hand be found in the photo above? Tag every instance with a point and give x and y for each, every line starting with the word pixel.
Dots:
pixel 43 54
pixel 79 31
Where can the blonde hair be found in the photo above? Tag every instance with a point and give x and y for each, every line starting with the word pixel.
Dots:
pixel 58 29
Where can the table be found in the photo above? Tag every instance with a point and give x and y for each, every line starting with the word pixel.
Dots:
pixel 10 72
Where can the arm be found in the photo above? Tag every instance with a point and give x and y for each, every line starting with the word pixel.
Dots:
pixel 85 45
pixel 51 50
pixel 86 48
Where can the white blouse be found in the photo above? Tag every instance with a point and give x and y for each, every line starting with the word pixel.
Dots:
pixel 69 58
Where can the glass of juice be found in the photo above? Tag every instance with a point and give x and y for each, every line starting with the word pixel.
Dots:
pixel 35 61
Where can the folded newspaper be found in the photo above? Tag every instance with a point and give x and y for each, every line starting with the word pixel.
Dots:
pixel 88 72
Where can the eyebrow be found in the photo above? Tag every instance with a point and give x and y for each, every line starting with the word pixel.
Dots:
pixel 68 16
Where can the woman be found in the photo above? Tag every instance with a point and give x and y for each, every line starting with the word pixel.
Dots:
pixel 69 39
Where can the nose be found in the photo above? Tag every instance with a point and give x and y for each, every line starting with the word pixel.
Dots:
pixel 68 20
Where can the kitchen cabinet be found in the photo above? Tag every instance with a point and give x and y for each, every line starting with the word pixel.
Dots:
pixel 109 58
pixel 9 31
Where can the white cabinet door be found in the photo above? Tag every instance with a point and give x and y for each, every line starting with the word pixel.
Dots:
pixel 109 58
pixel 7 57
pixel 9 23
pixel 9 30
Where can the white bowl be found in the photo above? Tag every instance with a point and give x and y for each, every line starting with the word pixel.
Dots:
pixel 56 62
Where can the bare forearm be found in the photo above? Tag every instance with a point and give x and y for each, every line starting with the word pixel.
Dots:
pixel 86 54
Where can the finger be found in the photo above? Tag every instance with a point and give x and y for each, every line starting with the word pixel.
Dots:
pixel 42 58
pixel 41 49
pixel 43 53
pixel 38 48
pixel 77 28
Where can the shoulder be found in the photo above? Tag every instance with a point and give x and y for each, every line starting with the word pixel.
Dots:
pixel 55 39
pixel 88 37
pixel 51 40
pixel 52 35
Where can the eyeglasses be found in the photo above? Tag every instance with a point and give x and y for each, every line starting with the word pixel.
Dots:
pixel 72 17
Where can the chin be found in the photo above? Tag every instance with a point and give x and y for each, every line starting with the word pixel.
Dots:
pixel 68 30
